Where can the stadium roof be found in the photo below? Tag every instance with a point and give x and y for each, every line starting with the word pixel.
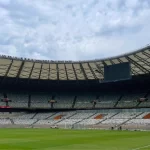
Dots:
pixel 72 70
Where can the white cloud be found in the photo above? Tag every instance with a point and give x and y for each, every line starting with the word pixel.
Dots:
pixel 4 2
pixel 8 49
pixel 73 30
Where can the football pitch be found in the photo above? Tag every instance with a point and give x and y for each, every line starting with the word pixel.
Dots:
pixel 58 139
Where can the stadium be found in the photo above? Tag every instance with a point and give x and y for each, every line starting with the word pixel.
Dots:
pixel 107 94
pixel 74 75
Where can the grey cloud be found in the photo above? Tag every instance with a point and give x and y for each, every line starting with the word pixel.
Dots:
pixel 76 30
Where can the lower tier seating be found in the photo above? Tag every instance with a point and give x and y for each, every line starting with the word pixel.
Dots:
pixel 72 118
pixel 24 121
pixel 139 121
pixel 46 122
pixel 114 121
pixel 5 121
pixel 69 121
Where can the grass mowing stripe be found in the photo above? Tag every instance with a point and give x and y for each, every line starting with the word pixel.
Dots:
pixel 141 147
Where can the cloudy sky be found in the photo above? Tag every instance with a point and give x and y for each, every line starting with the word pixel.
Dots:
pixel 73 29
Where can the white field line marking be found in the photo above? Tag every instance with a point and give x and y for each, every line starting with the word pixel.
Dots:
pixel 141 147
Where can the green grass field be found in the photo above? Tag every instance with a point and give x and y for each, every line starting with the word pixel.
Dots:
pixel 57 139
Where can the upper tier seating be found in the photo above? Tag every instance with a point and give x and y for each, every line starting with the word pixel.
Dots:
pixel 40 100
pixel 130 99
pixel 84 100
pixel 18 100
pixel 146 103
pixel 1 97
pixel 107 100
pixel 64 101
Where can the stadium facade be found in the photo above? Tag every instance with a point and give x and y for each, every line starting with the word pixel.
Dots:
pixel 75 94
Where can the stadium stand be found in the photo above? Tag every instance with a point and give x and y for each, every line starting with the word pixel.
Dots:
pixel 107 100
pixel 46 122
pixel 142 115
pixel 85 100
pixel 64 100
pixel 42 116
pixel 77 119
pixel 114 122
pixel 40 100
pixel 80 95
pixel 126 115
pixel 5 121
pixel 27 116
pixel 89 121
pixel 130 99
pixel 24 121
pixel 145 103
pixel 81 115
pixel 139 121
pixel 18 100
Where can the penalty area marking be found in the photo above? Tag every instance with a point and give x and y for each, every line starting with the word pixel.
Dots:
pixel 141 147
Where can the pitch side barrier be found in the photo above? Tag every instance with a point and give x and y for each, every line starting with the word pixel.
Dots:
pixel 103 110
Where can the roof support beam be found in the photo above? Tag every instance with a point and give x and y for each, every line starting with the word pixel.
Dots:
pixel 134 71
pixel 120 60
pixel 142 60
pixel 40 71
pixel 82 69
pixel 104 63
pixel 99 69
pixel 48 75
pixel 112 62
pixel 92 71
pixel 137 65
pixel 66 71
pixel 57 71
pixel 146 54
pixel 31 72
pixel 6 74
pixel 20 69
pixel 22 64
pixel 49 72
pixel 75 72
